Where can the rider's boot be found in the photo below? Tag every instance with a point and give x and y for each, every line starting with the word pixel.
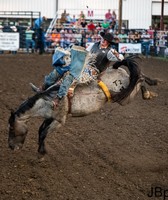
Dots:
pixel 38 89
pixel 49 80
pixel 63 90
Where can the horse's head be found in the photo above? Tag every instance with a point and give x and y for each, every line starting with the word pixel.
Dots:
pixel 17 132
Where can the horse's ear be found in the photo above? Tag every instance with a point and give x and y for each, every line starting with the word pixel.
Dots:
pixel 12 118
pixel 12 112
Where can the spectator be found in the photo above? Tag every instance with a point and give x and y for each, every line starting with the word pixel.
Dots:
pixel 151 32
pixel 78 37
pixel 73 19
pixel 116 26
pixel 137 37
pixel 13 29
pixel 83 23
pixel 40 41
pixel 88 37
pixel 77 25
pixel 65 39
pixel 113 16
pixel 82 15
pixel 29 39
pixel 83 38
pixel 165 27
pixel 48 41
pixel 39 22
pixel 39 32
pixel 91 26
pixel 131 36
pixel 111 28
pixel 55 38
pixel 1 28
pixel 63 17
pixel 123 25
pixel 116 40
pixel 1 31
pixel 96 36
pixel 98 26
pixel 122 37
pixel 105 24
pixel 108 16
pixel 68 18
pixel 145 42
pixel 70 36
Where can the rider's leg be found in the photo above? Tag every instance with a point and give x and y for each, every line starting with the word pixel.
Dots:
pixel 63 90
pixel 78 55
pixel 49 80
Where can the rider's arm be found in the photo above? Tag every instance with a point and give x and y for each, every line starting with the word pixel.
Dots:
pixel 89 46
pixel 113 55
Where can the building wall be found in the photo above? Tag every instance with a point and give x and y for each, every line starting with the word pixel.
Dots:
pixel 99 7
pixel 137 12
pixel 156 8
pixel 46 7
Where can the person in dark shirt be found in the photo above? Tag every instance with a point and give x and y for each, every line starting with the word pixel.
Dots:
pixel 83 23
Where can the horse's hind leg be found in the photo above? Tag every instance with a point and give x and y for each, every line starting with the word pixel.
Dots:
pixel 146 94
pixel 151 81
pixel 47 127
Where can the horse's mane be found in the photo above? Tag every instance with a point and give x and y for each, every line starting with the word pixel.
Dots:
pixel 134 71
pixel 29 103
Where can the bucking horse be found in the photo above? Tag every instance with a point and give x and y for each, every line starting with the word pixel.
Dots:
pixel 119 84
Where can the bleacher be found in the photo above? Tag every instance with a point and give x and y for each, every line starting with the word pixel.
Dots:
pixel 159 42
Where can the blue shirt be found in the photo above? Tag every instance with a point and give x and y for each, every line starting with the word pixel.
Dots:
pixel 38 22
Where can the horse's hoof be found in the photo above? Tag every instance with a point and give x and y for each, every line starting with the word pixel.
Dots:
pixel 41 158
pixel 153 94
pixel 146 95
pixel 42 152
pixel 149 95
pixel 159 82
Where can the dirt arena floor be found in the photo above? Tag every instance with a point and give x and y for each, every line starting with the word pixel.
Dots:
pixel 118 153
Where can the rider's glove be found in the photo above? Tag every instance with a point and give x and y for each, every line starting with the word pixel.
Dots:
pixel 121 57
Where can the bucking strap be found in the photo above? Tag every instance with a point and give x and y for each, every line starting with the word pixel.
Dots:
pixel 105 89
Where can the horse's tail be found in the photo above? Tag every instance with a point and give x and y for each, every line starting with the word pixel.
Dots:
pixel 134 73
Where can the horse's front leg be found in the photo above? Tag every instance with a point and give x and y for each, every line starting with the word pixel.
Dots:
pixel 47 127
pixel 43 130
